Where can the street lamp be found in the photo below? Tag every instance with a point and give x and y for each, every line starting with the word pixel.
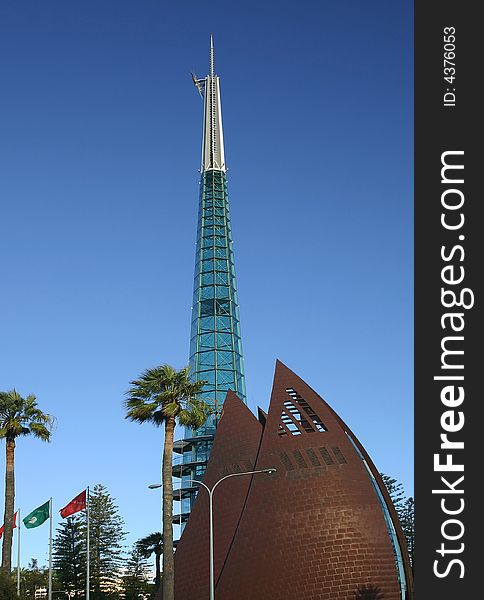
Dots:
pixel 210 491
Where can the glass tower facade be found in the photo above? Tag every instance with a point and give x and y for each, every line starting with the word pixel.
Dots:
pixel 215 347
pixel 215 344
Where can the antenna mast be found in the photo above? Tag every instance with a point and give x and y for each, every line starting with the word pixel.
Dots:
pixel 212 68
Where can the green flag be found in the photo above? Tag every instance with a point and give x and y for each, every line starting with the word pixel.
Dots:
pixel 37 516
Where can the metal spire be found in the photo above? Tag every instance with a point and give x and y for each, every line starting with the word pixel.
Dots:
pixel 213 153
pixel 212 67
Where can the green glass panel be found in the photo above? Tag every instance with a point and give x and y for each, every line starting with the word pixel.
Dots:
pixel 217 281
pixel 221 265
pixel 205 340
pixel 207 292
pixel 215 348
pixel 222 291
pixel 206 324
pixel 209 377
pixel 224 359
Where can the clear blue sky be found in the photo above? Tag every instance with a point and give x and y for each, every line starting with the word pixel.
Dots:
pixel 100 131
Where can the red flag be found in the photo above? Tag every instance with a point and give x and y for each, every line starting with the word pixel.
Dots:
pixel 14 525
pixel 79 503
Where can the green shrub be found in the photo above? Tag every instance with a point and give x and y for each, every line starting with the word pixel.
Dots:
pixel 7 588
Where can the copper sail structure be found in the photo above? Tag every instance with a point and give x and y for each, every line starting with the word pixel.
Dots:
pixel 215 345
pixel 321 527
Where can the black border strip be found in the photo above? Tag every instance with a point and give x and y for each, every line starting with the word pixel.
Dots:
pixel 454 127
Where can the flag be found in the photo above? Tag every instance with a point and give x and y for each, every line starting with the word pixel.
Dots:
pixel 14 525
pixel 79 503
pixel 37 516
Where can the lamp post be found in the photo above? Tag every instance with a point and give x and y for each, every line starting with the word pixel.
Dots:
pixel 211 491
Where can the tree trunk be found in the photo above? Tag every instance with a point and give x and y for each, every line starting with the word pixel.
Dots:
pixel 9 506
pixel 168 558
pixel 158 570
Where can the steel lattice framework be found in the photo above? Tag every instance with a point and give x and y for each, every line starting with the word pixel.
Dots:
pixel 215 346
pixel 215 349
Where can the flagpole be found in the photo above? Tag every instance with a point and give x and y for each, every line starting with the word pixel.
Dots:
pixel 87 553
pixel 50 550
pixel 18 552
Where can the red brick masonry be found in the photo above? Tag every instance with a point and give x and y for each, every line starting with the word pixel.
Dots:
pixel 314 530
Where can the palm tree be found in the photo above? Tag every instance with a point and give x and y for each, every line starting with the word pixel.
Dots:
pixel 18 417
pixel 152 544
pixel 164 396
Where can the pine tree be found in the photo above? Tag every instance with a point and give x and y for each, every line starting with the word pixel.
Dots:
pixel 396 491
pixel 69 555
pixel 404 508
pixel 407 519
pixel 106 550
pixel 135 580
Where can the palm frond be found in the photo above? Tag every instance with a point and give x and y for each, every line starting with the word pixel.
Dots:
pixel 21 416
pixel 172 409
pixel 161 393
pixel 195 415
pixel 39 431
pixel 151 544
pixel 140 411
